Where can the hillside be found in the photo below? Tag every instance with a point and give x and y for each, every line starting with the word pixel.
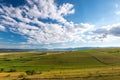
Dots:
pixel 87 64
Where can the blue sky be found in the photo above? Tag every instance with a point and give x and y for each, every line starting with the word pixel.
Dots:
pixel 59 23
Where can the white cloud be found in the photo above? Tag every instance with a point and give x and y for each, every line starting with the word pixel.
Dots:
pixel 24 20
pixel 66 9
pixel 2 28
pixel 109 30
pixel 117 12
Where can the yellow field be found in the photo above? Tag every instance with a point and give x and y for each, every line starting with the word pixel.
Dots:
pixel 64 74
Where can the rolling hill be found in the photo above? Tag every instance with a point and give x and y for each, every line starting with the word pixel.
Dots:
pixel 79 64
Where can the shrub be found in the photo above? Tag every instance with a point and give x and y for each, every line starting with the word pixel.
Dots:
pixel 2 69
pixel 25 79
pixel 7 75
pixel 30 72
pixel 12 70
pixel 7 60
pixel 21 76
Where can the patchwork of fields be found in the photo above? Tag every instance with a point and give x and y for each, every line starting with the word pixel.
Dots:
pixel 92 64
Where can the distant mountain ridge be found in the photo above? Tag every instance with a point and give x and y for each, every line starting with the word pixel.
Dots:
pixel 45 49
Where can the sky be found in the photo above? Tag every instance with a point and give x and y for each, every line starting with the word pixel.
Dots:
pixel 36 24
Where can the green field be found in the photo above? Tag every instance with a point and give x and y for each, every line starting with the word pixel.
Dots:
pixel 92 64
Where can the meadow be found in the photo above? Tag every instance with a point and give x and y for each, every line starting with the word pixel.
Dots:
pixel 91 64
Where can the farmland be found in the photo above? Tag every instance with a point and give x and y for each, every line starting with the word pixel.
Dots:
pixel 92 64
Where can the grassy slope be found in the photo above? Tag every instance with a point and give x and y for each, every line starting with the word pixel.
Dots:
pixel 84 63
pixel 65 60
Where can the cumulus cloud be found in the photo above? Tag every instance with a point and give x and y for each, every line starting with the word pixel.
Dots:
pixel 26 20
pixel 109 30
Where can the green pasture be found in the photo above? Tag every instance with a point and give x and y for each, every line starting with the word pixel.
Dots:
pixel 83 64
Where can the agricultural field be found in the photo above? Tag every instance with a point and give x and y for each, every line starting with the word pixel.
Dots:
pixel 92 64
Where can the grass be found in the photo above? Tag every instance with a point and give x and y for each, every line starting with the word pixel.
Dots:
pixel 65 60
pixel 93 64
